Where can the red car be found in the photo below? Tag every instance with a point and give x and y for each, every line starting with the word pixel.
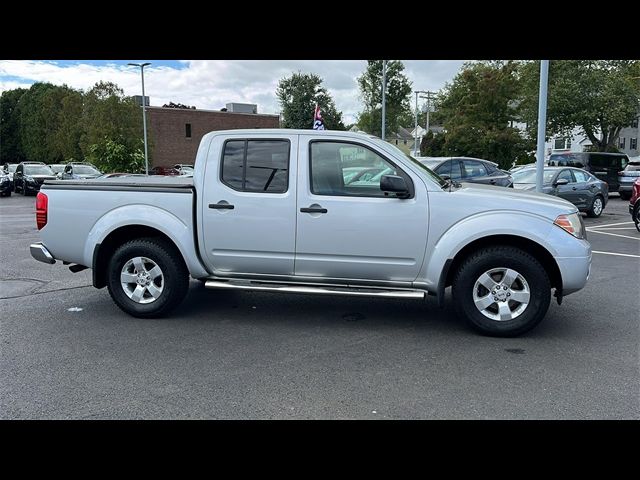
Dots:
pixel 634 204
pixel 163 171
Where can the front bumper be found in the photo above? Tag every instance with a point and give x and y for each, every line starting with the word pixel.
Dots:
pixel 40 253
pixel 575 272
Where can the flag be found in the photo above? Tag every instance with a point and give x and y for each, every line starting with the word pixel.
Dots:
pixel 318 124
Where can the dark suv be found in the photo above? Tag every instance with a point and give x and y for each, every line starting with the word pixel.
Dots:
pixel 29 176
pixel 605 166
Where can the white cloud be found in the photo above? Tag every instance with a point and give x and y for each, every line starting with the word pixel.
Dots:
pixel 210 84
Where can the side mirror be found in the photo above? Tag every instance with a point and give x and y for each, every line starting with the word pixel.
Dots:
pixel 560 181
pixel 394 184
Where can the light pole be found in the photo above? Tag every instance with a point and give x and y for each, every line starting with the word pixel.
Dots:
pixel 384 98
pixel 144 115
pixel 542 122
pixel 415 131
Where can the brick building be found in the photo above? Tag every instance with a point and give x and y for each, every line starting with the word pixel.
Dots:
pixel 175 133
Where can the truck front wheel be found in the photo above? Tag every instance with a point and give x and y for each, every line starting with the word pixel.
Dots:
pixel 147 277
pixel 501 291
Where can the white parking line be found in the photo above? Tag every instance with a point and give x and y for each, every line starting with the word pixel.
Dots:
pixel 619 228
pixel 612 225
pixel 613 234
pixel 619 254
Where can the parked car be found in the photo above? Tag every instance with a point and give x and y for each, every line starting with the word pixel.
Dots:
pixel 184 168
pixel 9 169
pixel 57 168
pixel 627 177
pixel 167 171
pixel 80 171
pixel 520 167
pixel 634 203
pixel 29 176
pixel 584 190
pixel 268 210
pixel 466 169
pixel 121 174
pixel 5 185
pixel 604 166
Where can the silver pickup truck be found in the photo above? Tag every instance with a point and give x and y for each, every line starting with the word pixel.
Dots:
pixel 317 212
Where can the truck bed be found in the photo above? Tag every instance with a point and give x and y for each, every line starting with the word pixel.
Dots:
pixel 124 183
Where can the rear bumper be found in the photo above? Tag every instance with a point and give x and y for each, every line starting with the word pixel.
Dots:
pixel 625 187
pixel 40 253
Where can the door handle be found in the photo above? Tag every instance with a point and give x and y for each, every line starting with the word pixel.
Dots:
pixel 313 210
pixel 493 182
pixel 221 206
pixel 574 188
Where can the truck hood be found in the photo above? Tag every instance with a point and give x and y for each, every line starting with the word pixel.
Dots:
pixel 502 198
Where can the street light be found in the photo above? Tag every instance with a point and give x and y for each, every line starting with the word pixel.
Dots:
pixel 415 145
pixel 144 115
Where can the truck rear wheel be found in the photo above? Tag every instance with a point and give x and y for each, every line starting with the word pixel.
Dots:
pixel 501 291
pixel 147 277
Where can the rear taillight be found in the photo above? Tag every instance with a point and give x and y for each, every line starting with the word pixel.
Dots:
pixel 42 204
pixel 621 173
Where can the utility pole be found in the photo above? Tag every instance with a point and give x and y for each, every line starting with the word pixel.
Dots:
pixel 428 97
pixel 384 98
pixel 415 131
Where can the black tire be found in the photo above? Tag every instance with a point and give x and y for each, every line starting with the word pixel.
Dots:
pixel 636 215
pixel 175 281
pixel 625 196
pixel 498 257
pixel 594 213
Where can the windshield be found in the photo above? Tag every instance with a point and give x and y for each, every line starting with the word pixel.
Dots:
pixel 529 176
pixel 85 170
pixel 57 168
pixel 12 167
pixel 37 170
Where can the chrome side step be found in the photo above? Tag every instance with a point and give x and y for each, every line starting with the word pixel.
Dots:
pixel 324 290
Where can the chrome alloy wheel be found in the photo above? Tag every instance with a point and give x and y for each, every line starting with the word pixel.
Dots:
pixel 501 294
pixel 142 280
pixel 597 206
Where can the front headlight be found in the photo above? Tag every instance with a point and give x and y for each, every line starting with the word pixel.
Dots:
pixel 29 179
pixel 572 224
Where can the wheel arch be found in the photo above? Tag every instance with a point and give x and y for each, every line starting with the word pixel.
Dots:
pixel 103 251
pixel 538 251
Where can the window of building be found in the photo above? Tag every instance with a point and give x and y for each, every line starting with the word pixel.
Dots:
pixel 256 165
pixel 562 143
pixel 634 123
pixel 187 130
pixel 633 143
pixel 623 142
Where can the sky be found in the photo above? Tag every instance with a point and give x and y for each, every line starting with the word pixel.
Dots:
pixel 211 84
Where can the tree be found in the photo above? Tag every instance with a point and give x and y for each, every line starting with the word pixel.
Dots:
pixel 478 110
pixel 433 145
pixel 49 118
pixel 397 96
pixel 10 145
pixel 111 155
pixel 108 115
pixel 298 96
pixel 600 97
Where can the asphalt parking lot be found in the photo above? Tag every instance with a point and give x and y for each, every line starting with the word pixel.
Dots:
pixel 66 350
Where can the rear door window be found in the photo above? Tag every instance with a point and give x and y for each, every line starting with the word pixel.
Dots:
pixel 256 165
